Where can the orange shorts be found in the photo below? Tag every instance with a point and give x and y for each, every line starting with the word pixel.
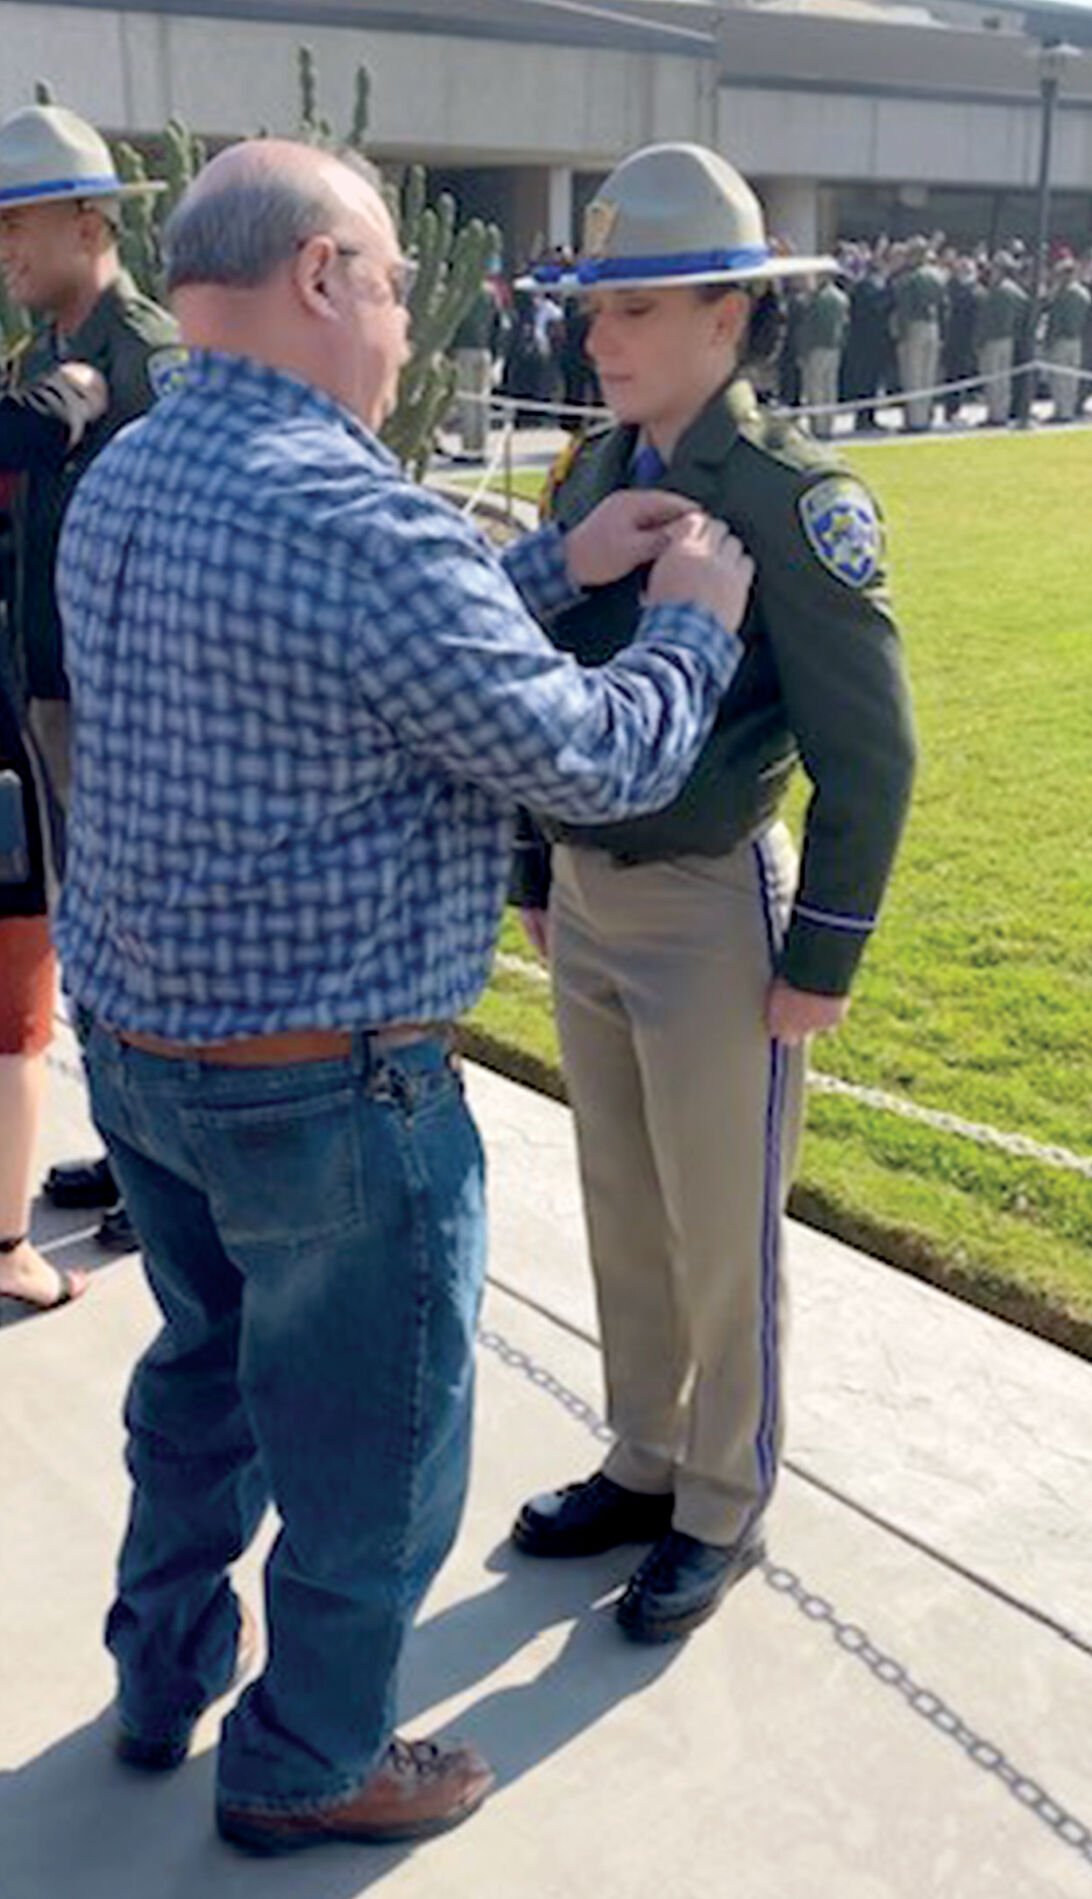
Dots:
pixel 28 983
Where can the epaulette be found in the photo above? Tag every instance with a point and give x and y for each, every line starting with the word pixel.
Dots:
pixel 779 438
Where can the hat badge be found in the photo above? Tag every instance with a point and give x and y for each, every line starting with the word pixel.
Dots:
pixel 600 219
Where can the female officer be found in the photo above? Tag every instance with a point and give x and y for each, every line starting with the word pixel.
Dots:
pixel 690 959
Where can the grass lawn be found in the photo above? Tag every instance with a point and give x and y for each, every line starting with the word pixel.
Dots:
pixel 976 996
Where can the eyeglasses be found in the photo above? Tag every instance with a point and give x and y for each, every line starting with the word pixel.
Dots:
pixel 399 277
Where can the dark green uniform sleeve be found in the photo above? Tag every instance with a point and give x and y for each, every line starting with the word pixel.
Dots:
pixel 842 676
pixel 41 425
pixel 133 349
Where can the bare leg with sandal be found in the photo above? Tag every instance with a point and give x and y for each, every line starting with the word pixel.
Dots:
pixel 27 980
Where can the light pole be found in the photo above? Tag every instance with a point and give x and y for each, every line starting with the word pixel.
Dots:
pixel 1052 56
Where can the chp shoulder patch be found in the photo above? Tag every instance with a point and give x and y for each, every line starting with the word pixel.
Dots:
pixel 843 528
pixel 167 370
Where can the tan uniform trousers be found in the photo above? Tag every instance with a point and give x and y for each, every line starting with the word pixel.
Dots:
pixel 919 367
pixel 1064 356
pixel 473 386
pixel 995 360
pixel 688 1122
pixel 819 382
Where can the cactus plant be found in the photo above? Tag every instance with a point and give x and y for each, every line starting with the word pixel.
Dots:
pixel 449 270
pixel 139 234
pixel 449 266
pixel 449 261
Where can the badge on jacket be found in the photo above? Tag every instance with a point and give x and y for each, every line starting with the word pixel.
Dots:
pixel 843 528
pixel 167 370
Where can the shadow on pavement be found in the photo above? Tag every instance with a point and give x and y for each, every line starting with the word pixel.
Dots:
pixel 76 1824
pixel 519 1726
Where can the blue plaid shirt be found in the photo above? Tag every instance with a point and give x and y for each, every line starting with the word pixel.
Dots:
pixel 308 697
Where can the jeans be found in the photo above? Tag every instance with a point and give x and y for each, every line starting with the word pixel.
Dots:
pixel 314 1237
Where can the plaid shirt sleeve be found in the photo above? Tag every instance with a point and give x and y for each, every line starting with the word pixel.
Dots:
pixel 450 659
pixel 535 564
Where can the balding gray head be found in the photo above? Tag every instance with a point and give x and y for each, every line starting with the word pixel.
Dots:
pixel 252 208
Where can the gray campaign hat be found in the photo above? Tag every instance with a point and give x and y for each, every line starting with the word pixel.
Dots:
pixel 677 214
pixel 48 154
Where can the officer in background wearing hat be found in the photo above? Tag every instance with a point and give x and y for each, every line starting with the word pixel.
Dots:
pixel 919 292
pixel 99 354
pixel 999 313
pixel 690 961
pixel 1067 319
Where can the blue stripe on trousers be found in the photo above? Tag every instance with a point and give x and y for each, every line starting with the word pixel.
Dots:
pixel 766 1437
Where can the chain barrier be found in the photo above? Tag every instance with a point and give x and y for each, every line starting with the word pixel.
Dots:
pixel 1016 1146
pixel 850 1637
pixel 506 406
pixel 492 468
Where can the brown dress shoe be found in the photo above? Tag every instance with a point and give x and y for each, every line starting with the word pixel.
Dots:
pixel 419 1788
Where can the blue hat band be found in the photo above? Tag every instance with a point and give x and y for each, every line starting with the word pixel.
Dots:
pixel 64 188
pixel 595 270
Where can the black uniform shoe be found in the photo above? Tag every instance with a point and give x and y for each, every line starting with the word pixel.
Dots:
pixel 116 1232
pixel 81 1184
pixel 681 1582
pixel 585 1519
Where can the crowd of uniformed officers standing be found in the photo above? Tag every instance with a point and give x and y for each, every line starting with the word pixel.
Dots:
pixel 907 319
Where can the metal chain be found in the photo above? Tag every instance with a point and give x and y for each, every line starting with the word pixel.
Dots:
pixel 933 1709
pixel 1017 1146
pixel 850 1637
pixel 891 399
pixel 544 1380
pixel 1021 1146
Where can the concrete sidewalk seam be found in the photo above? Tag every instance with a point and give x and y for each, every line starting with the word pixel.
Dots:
pixel 997 1591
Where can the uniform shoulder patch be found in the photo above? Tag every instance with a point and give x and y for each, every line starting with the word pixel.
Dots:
pixel 843 529
pixel 167 370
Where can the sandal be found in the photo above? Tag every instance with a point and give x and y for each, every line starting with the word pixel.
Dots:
pixel 71 1284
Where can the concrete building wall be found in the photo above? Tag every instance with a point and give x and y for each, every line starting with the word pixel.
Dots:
pixel 432 93
pixel 803 105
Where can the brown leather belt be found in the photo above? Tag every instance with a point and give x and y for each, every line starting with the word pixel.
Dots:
pixel 286 1047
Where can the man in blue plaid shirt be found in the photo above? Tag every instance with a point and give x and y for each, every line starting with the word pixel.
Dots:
pixel 307 699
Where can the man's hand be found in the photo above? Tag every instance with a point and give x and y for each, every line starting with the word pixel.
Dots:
pixel 90 384
pixel 794 1014
pixel 536 928
pixel 629 529
pixel 704 566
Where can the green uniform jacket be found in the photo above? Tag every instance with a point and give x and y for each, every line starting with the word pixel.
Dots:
pixel 822 679
pixel 824 321
pixel 1067 313
pixel 919 297
pixel 999 312
pixel 122 336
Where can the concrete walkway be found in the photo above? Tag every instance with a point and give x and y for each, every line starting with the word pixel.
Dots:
pixel 896 1709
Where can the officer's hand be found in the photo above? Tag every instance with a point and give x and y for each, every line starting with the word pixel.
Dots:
pixel 794 1014
pixel 90 384
pixel 703 566
pixel 536 928
pixel 627 530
